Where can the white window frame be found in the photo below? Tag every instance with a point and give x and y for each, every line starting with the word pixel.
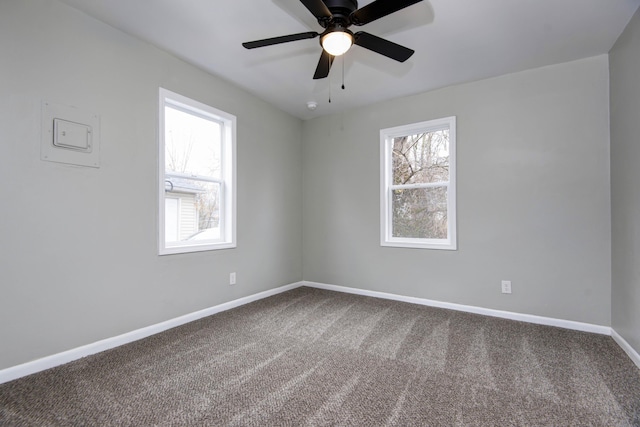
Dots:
pixel 387 187
pixel 227 182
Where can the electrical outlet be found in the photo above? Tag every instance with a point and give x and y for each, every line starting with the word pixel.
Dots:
pixel 506 286
pixel 232 278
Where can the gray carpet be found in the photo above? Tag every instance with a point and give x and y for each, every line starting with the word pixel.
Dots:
pixel 314 357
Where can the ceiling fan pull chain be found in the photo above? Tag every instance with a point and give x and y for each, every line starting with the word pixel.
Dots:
pixel 343 72
pixel 329 78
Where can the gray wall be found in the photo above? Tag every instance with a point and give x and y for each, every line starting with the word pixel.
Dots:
pixel 533 196
pixel 625 182
pixel 78 259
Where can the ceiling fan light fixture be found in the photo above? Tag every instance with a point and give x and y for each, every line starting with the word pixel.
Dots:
pixel 337 42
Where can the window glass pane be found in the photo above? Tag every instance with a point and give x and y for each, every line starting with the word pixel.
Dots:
pixel 420 213
pixel 192 144
pixel 421 158
pixel 198 215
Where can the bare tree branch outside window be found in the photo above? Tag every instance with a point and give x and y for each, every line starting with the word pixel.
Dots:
pixel 421 159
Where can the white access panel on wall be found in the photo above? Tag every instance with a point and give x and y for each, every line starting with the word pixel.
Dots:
pixel 70 135
pixel 74 136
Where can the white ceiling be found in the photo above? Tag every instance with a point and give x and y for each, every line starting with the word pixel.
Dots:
pixel 455 41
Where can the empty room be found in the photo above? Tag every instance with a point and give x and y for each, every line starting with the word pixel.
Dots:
pixel 320 212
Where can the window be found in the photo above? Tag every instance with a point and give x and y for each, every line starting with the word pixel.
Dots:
pixel 418 192
pixel 196 176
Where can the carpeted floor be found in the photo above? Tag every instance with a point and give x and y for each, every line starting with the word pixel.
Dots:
pixel 314 357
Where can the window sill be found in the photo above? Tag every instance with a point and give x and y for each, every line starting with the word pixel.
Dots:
pixel 445 245
pixel 172 250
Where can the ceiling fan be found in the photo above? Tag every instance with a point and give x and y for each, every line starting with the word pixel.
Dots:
pixel 336 16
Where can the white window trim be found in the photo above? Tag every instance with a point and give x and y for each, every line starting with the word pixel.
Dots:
pixel 228 182
pixel 386 187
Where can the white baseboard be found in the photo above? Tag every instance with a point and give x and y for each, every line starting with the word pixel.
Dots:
pixel 540 320
pixel 633 355
pixel 58 359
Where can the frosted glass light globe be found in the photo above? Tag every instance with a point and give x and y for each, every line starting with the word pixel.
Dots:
pixel 337 42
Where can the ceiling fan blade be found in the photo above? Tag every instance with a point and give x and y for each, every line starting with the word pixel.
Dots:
pixel 324 65
pixel 379 9
pixel 382 46
pixel 317 8
pixel 281 39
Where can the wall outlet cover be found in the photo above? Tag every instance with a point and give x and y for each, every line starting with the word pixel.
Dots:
pixel 506 286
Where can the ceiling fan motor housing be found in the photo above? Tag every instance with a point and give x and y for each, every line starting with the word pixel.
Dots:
pixel 340 9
